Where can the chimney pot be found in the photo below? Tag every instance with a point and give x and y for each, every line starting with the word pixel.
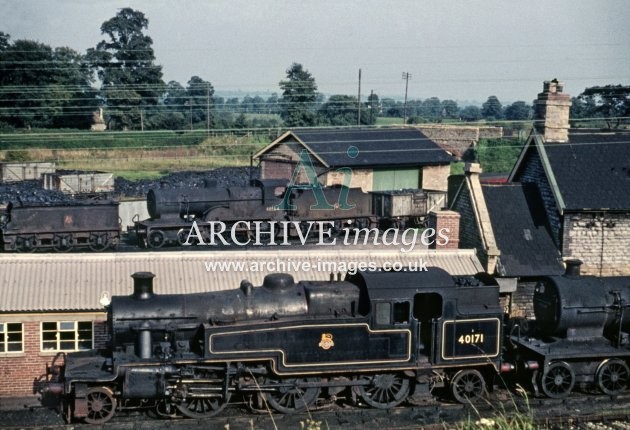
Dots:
pixel 142 285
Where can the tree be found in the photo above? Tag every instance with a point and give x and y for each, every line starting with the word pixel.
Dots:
pixel 342 110
pixel 432 109
pixel 612 102
pixel 392 108
pixel 518 111
pixel 470 114
pixel 374 108
pixel 272 104
pixel 450 110
pixel 492 110
pixel 299 97
pixel 199 93
pixel 125 65
pixel 44 87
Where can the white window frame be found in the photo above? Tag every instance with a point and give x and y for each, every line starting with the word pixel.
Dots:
pixel 5 342
pixel 63 327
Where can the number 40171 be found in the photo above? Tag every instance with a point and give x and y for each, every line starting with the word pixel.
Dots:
pixel 470 338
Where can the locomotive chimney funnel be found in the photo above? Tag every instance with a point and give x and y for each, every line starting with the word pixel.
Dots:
pixel 573 268
pixel 142 285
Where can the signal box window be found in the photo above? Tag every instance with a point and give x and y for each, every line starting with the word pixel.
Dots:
pixel 11 337
pixel 67 335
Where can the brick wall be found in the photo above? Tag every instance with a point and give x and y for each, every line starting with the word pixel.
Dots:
pixel 600 240
pixel 280 162
pixel 445 220
pixel 18 371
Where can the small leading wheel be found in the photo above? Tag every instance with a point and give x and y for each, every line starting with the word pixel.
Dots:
pixel 468 386
pixel 182 238
pixel 101 405
pixel 385 390
pixel 289 397
pixel 204 407
pixel 156 239
pixel 558 380
pixel 613 376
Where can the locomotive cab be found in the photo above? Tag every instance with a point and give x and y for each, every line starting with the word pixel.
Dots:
pixel 452 319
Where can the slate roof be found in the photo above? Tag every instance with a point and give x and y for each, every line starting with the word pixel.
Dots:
pixel 592 170
pixel 521 231
pixel 370 147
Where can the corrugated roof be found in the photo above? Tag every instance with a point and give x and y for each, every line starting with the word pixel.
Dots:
pixel 77 282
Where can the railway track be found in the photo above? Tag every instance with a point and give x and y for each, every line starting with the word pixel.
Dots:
pixel 580 412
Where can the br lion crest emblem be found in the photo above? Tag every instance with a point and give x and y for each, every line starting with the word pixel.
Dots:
pixel 327 341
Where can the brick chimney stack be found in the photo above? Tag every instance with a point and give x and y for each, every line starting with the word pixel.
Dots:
pixel 551 112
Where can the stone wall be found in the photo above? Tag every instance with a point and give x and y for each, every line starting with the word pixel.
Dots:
pixel 435 178
pixel 459 139
pixel 361 178
pixel 521 301
pixel 600 240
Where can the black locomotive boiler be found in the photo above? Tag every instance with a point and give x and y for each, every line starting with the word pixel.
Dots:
pixel 375 338
pixel 580 337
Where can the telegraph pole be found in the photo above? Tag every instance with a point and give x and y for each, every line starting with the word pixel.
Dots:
pixel 406 77
pixel 207 108
pixel 359 101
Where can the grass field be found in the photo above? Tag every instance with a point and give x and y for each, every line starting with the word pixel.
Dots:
pixel 133 155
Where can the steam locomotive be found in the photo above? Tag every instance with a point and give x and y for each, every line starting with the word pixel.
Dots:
pixel 377 339
pixel 172 211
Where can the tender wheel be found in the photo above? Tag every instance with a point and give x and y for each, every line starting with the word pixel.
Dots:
pixel 63 243
pixel 384 390
pixel 613 376
pixel 288 397
pixel 98 242
pixel 156 239
pixel 101 405
pixel 26 243
pixel 558 380
pixel 468 386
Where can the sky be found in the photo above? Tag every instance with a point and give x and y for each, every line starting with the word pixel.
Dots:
pixel 464 50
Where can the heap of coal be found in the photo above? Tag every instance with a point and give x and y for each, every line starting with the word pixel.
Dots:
pixel 29 192
pixel 221 177
pixel 32 191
